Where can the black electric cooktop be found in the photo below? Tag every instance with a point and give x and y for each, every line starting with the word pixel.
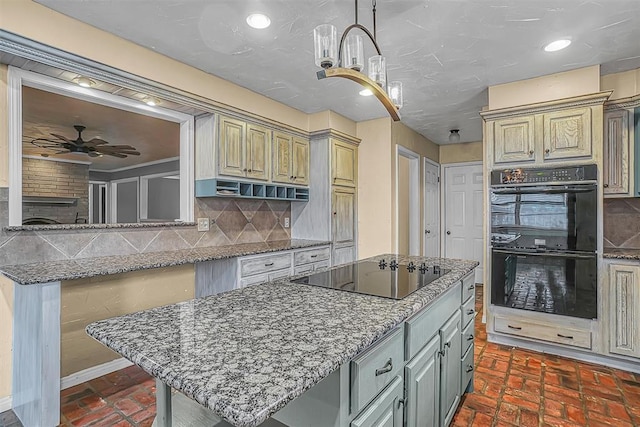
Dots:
pixel 384 279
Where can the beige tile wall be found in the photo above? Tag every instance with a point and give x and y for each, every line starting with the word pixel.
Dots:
pixel 622 223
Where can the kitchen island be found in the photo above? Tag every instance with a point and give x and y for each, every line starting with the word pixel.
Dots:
pixel 248 353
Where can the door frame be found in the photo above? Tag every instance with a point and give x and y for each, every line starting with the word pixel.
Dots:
pixel 443 199
pixel 414 202
pixel 17 78
pixel 438 200
pixel 101 185
pixel 113 197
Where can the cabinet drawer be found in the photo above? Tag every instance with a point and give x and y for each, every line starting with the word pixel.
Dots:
pixel 264 264
pixel 420 328
pixel 468 287
pixel 311 255
pixel 303 269
pixel 254 280
pixel 467 366
pixel 468 311
pixel 372 371
pixel 545 332
pixel 280 274
pixel 467 336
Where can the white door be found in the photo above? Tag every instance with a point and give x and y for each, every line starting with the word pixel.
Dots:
pixel 431 209
pixel 463 213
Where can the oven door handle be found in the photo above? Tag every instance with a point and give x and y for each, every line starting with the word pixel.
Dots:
pixel 544 190
pixel 547 254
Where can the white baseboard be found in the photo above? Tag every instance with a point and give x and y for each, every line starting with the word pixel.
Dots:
pixel 93 373
pixel 5 403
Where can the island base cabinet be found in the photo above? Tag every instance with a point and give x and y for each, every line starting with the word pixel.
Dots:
pixel 450 369
pixel 386 410
pixel 422 383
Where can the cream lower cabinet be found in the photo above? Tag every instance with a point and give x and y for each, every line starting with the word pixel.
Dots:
pixel 343 224
pixel 624 309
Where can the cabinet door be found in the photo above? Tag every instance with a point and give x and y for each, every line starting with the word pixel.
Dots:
pixel 300 161
pixel 231 146
pixel 281 157
pixel 513 140
pixel 344 216
pixel 422 383
pixel 344 158
pixel 450 369
pixel 624 297
pixel 257 152
pixel 567 134
pixel 615 173
pixel 386 410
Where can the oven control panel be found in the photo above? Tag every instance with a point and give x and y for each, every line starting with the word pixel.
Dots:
pixel 544 175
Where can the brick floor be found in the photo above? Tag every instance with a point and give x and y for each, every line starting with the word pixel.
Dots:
pixel 513 387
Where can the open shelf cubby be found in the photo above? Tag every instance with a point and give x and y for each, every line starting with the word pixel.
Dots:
pixel 253 190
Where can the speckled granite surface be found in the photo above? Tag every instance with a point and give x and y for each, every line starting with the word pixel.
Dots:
pixel 52 271
pixel 246 353
pixel 630 254
pixel 49 227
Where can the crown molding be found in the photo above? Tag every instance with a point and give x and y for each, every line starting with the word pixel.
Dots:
pixel 592 99
pixel 52 159
pixel 335 134
pixel 623 103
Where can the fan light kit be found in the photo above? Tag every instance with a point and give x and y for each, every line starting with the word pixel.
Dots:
pixel 454 135
pixel 84 81
pixel 348 57
pixel 95 147
pixel 258 20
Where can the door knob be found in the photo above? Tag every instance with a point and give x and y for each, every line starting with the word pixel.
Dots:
pixel 448 233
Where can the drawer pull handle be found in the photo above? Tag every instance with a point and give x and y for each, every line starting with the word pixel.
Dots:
pixel 470 337
pixel 386 368
pixel 269 264
pixel 470 311
pixel 471 287
pixel 517 328
pixel 314 256
pixel 569 337
pixel 469 368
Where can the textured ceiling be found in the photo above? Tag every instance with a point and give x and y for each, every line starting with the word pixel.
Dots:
pixel 446 52
pixel 44 113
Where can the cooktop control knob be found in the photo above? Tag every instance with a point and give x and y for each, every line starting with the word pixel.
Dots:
pixel 423 268
pixel 411 267
pixel 382 264
pixel 393 265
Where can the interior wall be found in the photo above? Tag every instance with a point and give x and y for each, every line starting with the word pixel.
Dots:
pixel 623 84
pixel 374 188
pixel 462 152
pixel 546 88
pixel 87 300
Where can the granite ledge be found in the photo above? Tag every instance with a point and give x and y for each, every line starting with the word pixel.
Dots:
pixel 621 253
pixel 54 271
pixel 72 227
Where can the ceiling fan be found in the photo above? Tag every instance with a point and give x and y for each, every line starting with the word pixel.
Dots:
pixel 95 147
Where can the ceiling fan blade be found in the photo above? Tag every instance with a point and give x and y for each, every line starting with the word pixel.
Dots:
pixel 65 139
pixel 120 147
pixel 96 141
pixel 121 156
pixel 47 143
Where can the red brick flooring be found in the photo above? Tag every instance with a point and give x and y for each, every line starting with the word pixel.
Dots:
pixel 513 387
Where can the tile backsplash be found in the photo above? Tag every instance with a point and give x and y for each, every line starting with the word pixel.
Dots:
pixel 232 221
pixel 622 223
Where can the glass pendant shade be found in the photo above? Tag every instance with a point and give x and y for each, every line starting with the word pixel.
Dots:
pixel 395 93
pixel 353 53
pixel 325 39
pixel 378 70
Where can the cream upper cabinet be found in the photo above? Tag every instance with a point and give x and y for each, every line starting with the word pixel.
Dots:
pixel 617 176
pixel 258 148
pixel 290 159
pixel 231 146
pixel 300 161
pixel 567 133
pixel 344 162
pixel 513 140
pixel 344 216
pixel 624 309
pixel 243 149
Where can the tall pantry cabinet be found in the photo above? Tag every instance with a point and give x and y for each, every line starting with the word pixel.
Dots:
pixel 332 211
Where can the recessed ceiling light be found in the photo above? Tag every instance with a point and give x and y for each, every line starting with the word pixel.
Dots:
pixel 557 45
pixel 258 20
pixel 84 81
pixel 366 92
pixel 151 101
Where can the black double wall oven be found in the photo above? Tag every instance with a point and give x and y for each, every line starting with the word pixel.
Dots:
pixel 544 240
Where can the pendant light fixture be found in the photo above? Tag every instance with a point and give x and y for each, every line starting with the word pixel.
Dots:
pixel 346 60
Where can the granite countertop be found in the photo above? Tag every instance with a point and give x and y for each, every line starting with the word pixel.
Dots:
pixel 246 353
pixel 50 227
pixel 618 253
pixel 53 271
